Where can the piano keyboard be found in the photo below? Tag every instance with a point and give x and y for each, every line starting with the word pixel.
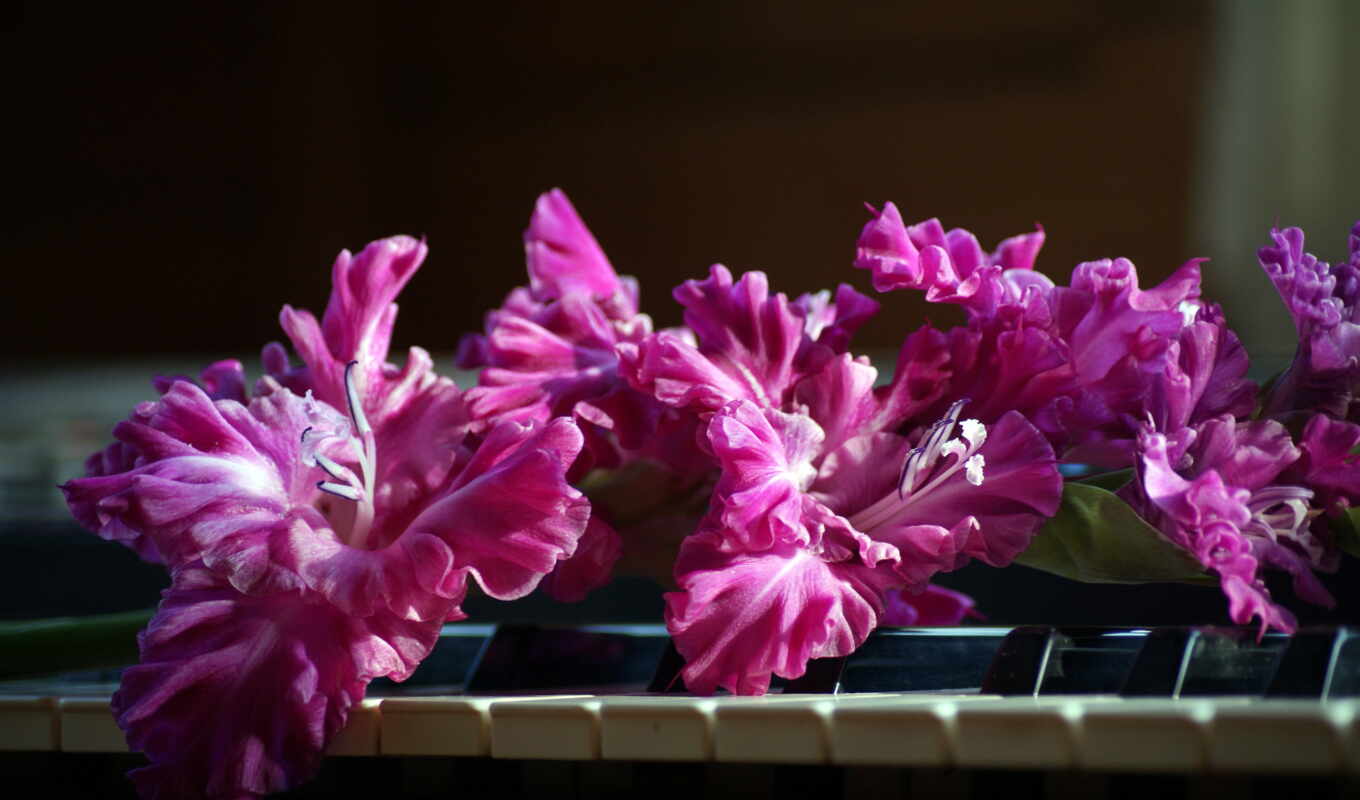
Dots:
pixel 1169 702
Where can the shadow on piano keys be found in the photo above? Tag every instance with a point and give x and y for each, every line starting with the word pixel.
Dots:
pixel 599 711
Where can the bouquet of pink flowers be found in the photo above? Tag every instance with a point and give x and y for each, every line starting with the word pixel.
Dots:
pixel 321 524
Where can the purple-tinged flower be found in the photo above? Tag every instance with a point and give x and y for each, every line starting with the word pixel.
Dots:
pixel 950 266
pixel 1330 462
pixel 1076 360
pixel 745 615
pixel 237 695
pixel 801 544
pixel 1324 301
pixel 747 344
pixel 362 514
pixel 934 605
pixel 1219 499
pixel 549 351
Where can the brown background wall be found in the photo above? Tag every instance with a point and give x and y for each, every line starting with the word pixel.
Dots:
pixel 179 175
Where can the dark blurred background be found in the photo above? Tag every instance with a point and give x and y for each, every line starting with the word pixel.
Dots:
pixel 176 174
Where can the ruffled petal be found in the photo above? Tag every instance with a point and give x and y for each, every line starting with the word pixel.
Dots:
pixel 1205 517
pixel 215 481
pixel 752 336
pixel 239 695
pixel 831 322
pixel 1329 463
pixel 766 459
pixel 562 255
pixel 742 617
pixel 511 515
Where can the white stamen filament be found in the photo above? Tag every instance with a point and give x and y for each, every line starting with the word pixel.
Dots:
pixel 340 490
pixel 346 484
pixel 919 474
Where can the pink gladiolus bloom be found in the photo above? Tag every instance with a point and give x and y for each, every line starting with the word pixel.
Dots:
pixel 1324 301
pixel 1224 506
pixel 549 351
pixel 802 544
pixel 360 508
pixel 1076 360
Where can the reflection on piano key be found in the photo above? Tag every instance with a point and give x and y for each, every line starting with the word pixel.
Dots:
pixel 1205 662
pixel 1040 659
pixel 905 660
pixel 535 658
pixel 1319 663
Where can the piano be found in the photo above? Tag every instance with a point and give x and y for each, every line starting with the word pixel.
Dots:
pixel 599 711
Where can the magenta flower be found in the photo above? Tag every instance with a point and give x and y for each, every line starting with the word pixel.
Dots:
pixel 1324 301
pixel 745 343
pixel 1076 360
pixel 802 544
pixel 549 351
pixel 1220 500
pixel 364 523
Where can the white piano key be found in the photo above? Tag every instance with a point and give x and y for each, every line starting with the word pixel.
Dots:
pixel 1279 736
pixel 442 726
pixel 657 728
pixel 910 730
pixel 773 730
pixel 1017 732
pixel 563 729
pixel 1145 735
pixel 362 733
pixel 29 722
pixel 778 729
pixel 87 726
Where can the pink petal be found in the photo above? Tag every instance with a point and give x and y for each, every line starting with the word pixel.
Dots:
pixel 741 617
pixel 766 459
pixel 562 255
pixel 239 696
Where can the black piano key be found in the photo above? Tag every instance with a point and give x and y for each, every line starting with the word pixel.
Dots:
pixel 1231 661
pixel 1090 661
pixel 1160 665
pixel 906 660
pixel 1205 662
pixel 448 667
pixel 521 658
pixel 666 678
pixel 1313 665
pixel 1039 659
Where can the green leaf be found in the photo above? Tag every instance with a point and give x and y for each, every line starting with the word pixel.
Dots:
pixel 62 644
pixel 1108 480
pixel 1346 527
pixel 1097 538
